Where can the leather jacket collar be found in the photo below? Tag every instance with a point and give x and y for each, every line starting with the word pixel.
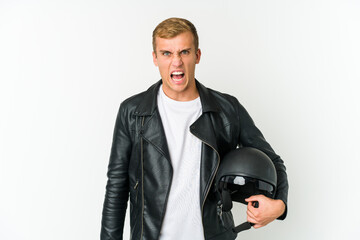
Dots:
pixel 149 104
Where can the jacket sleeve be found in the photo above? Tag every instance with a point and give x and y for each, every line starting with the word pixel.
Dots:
pixel 250 136
pixel 117 188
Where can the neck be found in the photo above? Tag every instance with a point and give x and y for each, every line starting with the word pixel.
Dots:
pixel 183 96
pixel 189 93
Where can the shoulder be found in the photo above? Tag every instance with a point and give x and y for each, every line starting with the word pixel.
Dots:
pixel 133 101
pixel 229 99
pixel 143 102
pixel 226 103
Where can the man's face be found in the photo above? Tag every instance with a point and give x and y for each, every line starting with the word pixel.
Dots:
pixel 176 58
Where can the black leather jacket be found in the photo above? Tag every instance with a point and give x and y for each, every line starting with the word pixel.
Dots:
pixel 140 163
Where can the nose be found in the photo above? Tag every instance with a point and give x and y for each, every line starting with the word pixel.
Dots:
pixel 177 61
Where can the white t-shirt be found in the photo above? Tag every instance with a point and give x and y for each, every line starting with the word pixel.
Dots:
pixel 182 219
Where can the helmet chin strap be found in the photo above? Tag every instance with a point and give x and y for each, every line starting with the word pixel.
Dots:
pixel 242 227
pixel 226 200
pixel 227 206
pixel 246 225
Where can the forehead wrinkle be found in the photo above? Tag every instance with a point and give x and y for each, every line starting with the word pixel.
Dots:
pixel 170 46
pixel 184 49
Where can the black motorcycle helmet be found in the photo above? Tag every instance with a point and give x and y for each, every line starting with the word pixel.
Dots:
pixel 242 173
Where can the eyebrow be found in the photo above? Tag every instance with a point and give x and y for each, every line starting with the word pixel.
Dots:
pixel 162 51
pixel 186 49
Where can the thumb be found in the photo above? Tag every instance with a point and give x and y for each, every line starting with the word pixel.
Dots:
pixel 252 198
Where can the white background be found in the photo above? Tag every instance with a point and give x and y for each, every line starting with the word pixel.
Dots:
pixel 65 66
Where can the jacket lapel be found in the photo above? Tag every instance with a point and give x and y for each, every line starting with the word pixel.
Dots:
pixel 154 133
pixel 203 129
pixel 152 130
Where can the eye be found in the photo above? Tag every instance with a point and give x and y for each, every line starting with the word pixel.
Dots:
pixel 185 52
pixel 166 53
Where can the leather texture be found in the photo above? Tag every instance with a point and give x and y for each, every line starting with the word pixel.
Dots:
pixel 140 165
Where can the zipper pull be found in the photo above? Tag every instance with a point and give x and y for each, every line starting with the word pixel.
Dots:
pixel 136 184
pixel 220 212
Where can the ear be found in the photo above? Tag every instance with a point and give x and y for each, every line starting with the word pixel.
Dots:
pixel 198 55
pixel 154 58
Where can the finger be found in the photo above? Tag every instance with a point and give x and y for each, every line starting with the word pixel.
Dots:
pixel 251 215
pixel 257 226
pixel 254 198
pixel 251 220
pixel 251 199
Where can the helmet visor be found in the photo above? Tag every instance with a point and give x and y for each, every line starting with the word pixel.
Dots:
pixel 244 187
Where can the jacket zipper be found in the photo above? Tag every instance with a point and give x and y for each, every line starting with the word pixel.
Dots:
pixel 142 181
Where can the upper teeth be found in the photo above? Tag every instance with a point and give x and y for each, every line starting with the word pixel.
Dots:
pixel 177 73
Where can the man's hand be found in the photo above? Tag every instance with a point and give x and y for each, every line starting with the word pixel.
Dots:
pixel 268 210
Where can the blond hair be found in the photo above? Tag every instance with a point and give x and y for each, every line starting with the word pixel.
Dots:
pixel 172 27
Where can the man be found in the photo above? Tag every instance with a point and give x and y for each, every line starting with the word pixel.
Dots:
pixel 167 146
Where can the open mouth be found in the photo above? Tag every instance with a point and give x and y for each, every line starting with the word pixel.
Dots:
pixel 177 75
